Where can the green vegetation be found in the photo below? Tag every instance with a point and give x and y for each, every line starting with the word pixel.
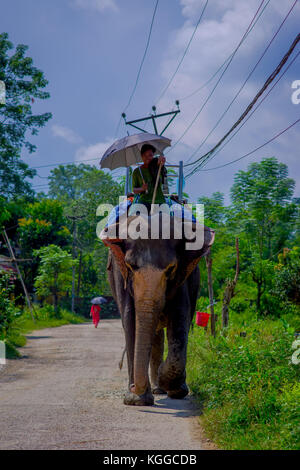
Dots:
pixel 54 274
pixel 16 322
pixel 244 378
pixel 24 83
pixel 247 386
pixel 45 318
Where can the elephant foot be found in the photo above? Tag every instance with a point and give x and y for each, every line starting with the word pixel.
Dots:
pixel 132 399
pixel 158 391
pixel 180 393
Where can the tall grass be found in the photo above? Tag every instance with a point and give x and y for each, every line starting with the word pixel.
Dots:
pixel 247 385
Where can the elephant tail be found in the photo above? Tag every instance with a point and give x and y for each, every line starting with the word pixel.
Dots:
pixel 122 359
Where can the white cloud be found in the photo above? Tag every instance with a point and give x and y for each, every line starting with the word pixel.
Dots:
pixel 98 5
pixel 89 152
pixel 220 31
pixel 67 134
pixel 218 34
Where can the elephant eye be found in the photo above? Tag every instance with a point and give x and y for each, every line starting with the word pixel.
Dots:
pixel 170 271
pixel 132 267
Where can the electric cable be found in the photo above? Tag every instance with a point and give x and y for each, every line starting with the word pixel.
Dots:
pixel 244 83
pixel 140 67
pixel 269 80
pixel 249 153
pixel 220 78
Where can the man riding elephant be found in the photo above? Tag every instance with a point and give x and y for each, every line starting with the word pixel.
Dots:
pixel 144 177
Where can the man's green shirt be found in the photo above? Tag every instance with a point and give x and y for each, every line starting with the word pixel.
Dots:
pixel 137 182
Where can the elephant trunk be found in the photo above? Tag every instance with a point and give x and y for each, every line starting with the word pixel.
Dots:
pixel 146 323
pixel 149 293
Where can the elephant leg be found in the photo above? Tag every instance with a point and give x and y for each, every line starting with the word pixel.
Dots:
pixel 171 373
pixel 157 353
pixel 126 308
pixel 128 321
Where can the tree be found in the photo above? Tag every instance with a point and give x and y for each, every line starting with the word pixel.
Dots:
pixel 81 189
pixel 214 208
pixel 54 274
pixel 4 213
pixel 43 223
pixel 287 276
pixel 23 84
pixel 7 307
pixel 263 205
pixel 265 217
pixel 264 211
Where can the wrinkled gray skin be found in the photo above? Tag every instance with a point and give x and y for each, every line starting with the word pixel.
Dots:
pixel 158 292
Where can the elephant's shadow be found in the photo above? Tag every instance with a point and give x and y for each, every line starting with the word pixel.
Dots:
pixel 184 408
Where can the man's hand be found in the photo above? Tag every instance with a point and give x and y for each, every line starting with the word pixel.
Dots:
pixel 161 160
pixel 145 187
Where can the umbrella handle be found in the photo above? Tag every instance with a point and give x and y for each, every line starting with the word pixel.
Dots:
pixel 143 178
pixel 155 187
pixel 144 182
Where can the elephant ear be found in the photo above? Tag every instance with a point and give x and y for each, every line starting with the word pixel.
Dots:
pixel 110 237
pixel 189 259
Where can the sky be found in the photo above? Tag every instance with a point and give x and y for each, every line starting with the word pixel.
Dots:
pixel 90 52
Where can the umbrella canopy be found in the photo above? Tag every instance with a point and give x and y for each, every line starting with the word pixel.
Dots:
pixel 98 300
pixel 127 151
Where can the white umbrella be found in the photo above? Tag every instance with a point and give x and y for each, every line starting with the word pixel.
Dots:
pixel 98 300
pixel 127 151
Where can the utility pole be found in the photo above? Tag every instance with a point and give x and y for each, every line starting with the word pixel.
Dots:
pixel 229 289
pixel 15 261
pixel 208 260
pixel 154 117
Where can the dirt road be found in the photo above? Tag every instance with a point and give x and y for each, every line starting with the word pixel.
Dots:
pixel 66 393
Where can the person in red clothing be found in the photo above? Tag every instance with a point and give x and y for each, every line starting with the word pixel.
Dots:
pixel 95 314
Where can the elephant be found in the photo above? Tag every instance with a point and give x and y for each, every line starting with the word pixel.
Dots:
pixel 155 284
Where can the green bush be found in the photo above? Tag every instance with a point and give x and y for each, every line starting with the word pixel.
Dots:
pixel 248 386
pixel 8 311
pixel 45 317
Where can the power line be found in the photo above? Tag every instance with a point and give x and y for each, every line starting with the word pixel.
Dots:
pixel 140 67
pixel 113 174
pixel 63 163
pixel 258 105
pixel 243 85
pixel 249 153
pixel 220 78
pixel 184 54
pixel 269 80
pixel 226 60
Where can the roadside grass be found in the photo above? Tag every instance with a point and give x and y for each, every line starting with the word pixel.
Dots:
pixel 247 386
pixel 44 318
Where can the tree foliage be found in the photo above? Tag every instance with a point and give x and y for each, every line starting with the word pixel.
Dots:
pixel 264 215
pixel 23 83
pixel 7 309
pixel 81 189
pixel 55 272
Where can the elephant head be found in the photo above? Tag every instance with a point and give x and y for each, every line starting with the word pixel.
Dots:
pixel 152 269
